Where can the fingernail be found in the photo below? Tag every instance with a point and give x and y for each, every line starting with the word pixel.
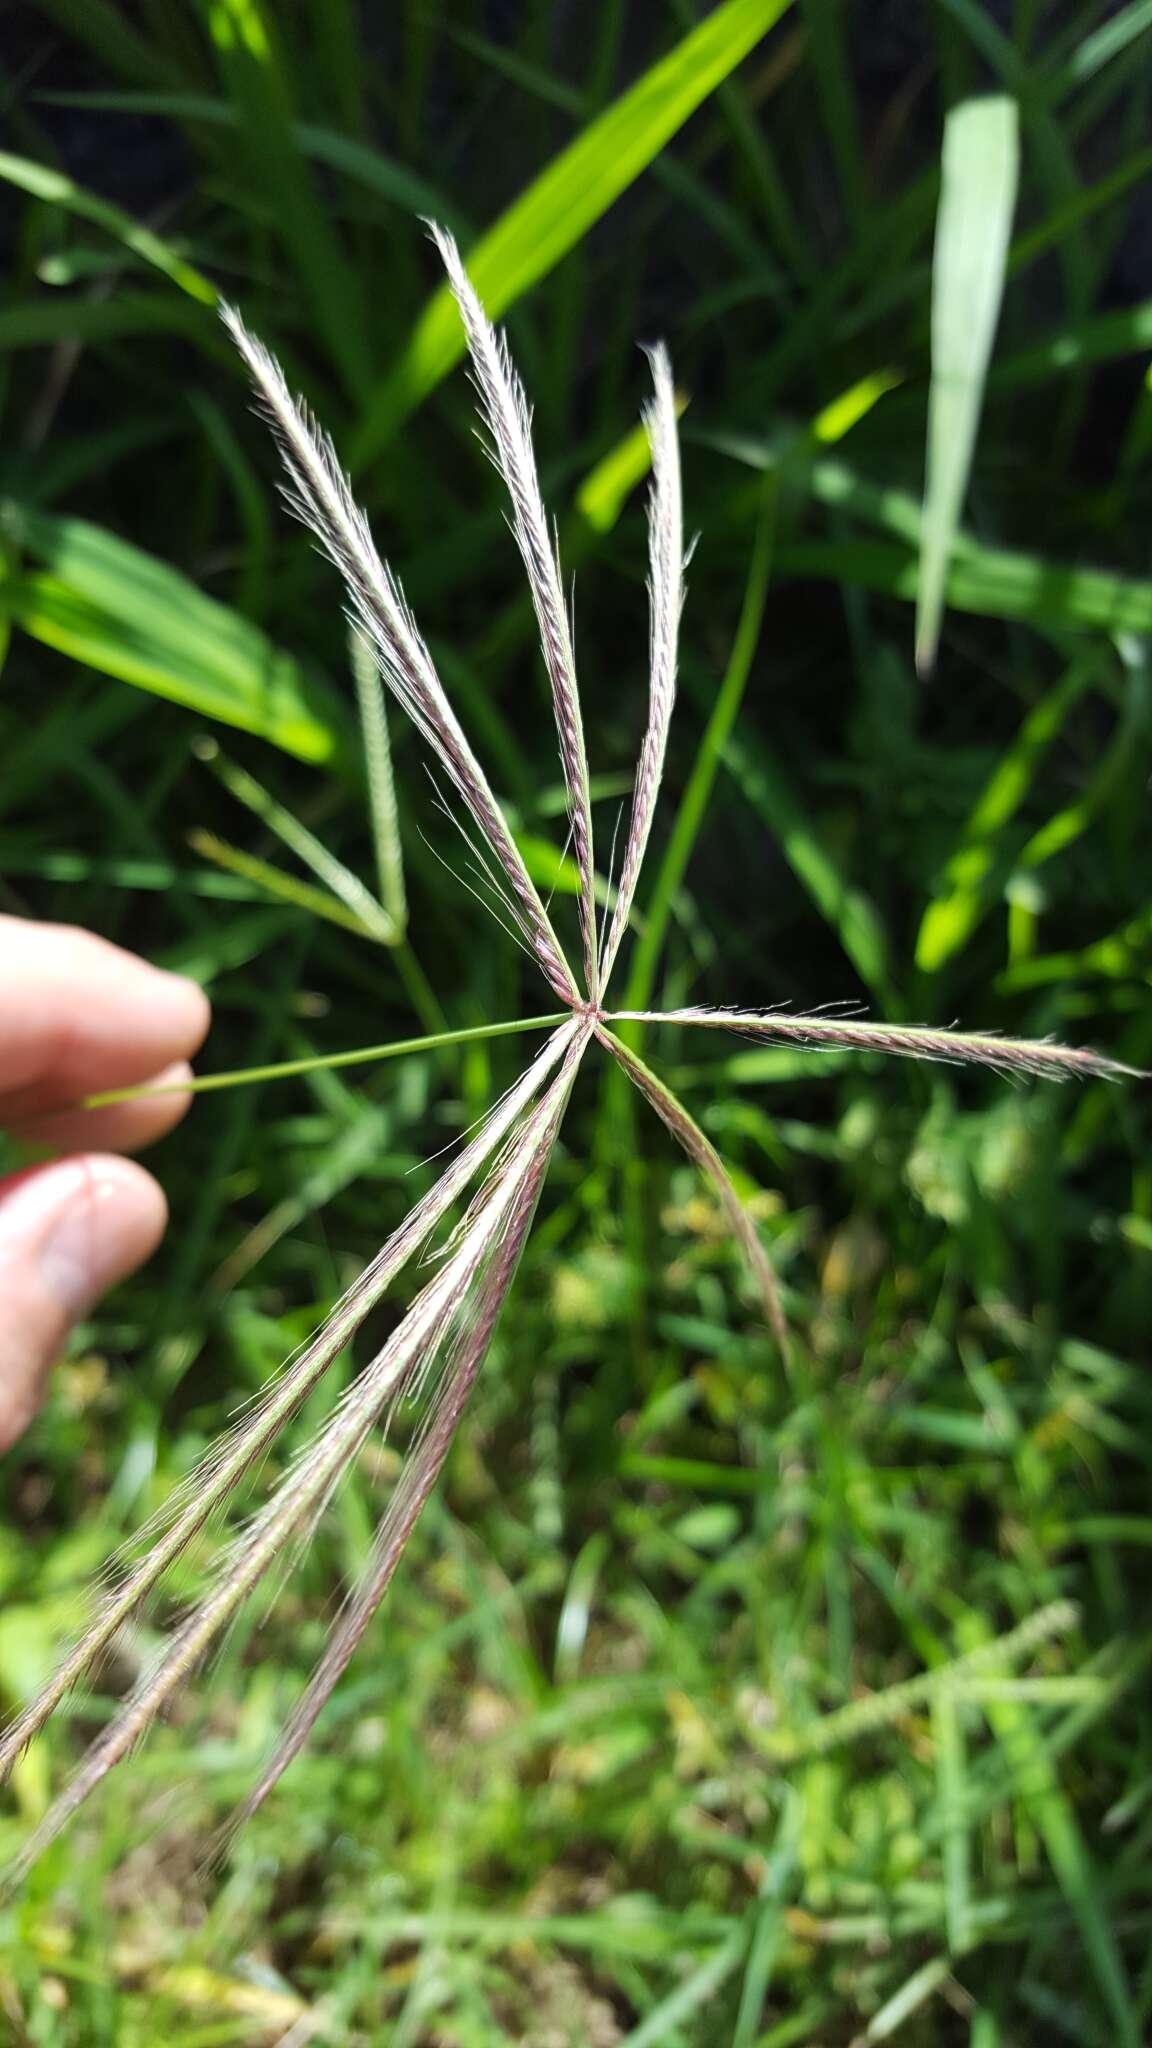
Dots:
pixel 54 1218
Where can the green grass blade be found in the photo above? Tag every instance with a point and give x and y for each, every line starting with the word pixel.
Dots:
pixel 845 907
pixel 1110 40
pixel 566 200
pixel 826 24
pixel 57 190
pixel 62 317
pixel 768 1929
pixel 337 879
pixel 124 612
pixel 977 200
pixel 970 875
pixel 383 175
pixel 604 491
pixel 1049 233
pixel 1043 1797
pixel 359 162
pixel 862 1718
pixel 1078 346
pixel 102 26
pixel 286 888
pixel 245 38
pixel 992 582
pixel 381 781
pixel 911 1996
pixel 951 1765
pixel 664 2019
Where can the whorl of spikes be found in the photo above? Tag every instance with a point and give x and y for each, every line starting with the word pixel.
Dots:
pixel 436 1350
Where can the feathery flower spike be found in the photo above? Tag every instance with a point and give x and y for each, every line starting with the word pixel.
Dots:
pixel 666 601
pixel 320 494
pixel 508 417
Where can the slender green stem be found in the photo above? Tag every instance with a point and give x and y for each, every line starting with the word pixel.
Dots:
pixel 425 1001
pixel 381 785
pixel 394 1050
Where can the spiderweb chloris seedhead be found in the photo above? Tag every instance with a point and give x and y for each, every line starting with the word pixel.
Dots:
pixel 436 1350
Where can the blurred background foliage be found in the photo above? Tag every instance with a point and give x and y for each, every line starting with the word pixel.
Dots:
pixel 706 1710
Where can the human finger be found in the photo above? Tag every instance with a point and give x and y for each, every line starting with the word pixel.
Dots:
pixel 68 1232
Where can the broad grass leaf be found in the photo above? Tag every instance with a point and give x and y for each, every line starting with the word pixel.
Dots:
pixel 993 582
pixel 122 611
pixel 560 206
pixel 977 199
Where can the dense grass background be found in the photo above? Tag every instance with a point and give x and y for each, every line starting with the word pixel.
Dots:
pixel 665 1735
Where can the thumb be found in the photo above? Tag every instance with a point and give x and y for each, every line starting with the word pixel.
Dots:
pixel 68 1232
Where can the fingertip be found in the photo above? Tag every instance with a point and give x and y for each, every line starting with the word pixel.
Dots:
pixel 118 1126
pixel 68 1232
pixel 189 1008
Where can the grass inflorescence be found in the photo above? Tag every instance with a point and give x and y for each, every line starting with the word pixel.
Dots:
pixel 769 1663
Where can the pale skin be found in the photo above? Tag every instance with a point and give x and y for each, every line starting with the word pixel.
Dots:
pixel 78 1016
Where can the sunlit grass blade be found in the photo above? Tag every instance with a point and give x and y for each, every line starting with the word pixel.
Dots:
pixel 977 201
pixel 994 583
pixel 57 190
pixel 971 869
pixel 913 1041
pixel 346 887
pixel 699 1987
pixel 130 615
pixel 1117 956
pixel 1051 594
pixel 557 210
pixel 276 882
pixel 1099 48
pixel 703 1153
pixel 227 1463
pixel 913 1993
pixel 768 1927
pixel 951 1763
pixel 606 488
